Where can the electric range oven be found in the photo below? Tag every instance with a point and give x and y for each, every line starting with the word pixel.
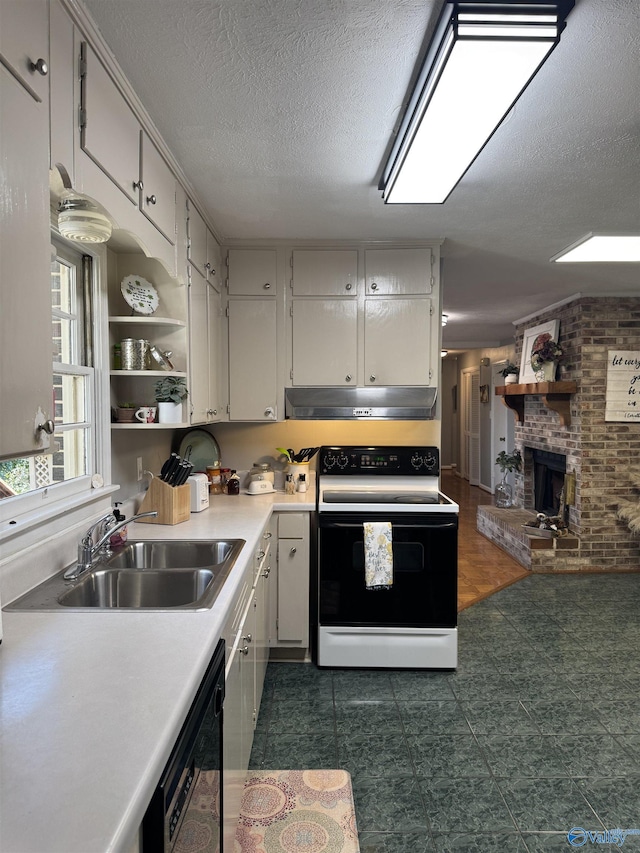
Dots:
pixel 410 623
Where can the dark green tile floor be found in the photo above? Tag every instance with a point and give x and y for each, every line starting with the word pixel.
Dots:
pixel 537 732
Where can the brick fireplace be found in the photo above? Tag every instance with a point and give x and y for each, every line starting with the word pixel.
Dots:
pixel 598 453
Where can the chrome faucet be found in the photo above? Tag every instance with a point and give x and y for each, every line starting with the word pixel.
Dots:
pixel 89 551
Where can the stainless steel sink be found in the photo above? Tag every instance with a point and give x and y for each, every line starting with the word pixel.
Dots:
pixel 143 575
pixel 177 554
pixel 153 589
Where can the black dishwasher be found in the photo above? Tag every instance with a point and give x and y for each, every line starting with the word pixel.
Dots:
pixel 185 811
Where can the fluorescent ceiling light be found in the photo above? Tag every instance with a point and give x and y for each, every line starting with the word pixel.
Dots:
pixel 479 62
pixel 601 249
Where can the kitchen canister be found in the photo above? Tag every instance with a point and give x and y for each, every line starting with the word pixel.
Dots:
pixel 133 354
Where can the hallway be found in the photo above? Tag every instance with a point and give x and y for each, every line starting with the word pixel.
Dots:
pixel 483 568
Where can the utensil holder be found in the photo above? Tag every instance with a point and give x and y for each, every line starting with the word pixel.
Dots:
pixel 297 468
pixel 172 503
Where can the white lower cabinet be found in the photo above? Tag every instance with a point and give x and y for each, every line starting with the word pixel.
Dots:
pixel 290 598
pixel 246 634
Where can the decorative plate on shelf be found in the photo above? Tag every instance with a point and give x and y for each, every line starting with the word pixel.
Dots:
pixel 139 294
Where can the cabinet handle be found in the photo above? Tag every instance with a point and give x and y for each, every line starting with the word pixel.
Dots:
pixel 269 412
pixel 48 427
pixel 244 650
pixel 41 66
pixel 347 378
pixel 151 199
pixel 374 286
pixel 268 535
pixel 266 286
pixel 247 639
pixel 372 378
pixel 292 551
pixel 260 554
pixel 348 286
pixel 214 411
pixel 138 185
pixel 209 268
pixel 266 572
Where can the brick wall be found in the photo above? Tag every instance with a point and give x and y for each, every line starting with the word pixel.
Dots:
pixel 598 452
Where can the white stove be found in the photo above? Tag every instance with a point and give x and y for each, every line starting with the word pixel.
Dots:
pixel 412 622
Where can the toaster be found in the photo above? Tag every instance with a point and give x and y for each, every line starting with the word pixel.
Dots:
pixel 199 484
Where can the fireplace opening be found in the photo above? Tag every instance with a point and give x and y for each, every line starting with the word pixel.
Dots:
pixel 549 470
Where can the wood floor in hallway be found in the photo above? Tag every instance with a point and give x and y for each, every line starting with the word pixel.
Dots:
pixel 483 568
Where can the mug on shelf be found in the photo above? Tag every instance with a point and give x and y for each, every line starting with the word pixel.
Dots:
pixel 146 414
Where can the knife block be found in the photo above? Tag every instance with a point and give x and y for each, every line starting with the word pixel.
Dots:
pixel 172 503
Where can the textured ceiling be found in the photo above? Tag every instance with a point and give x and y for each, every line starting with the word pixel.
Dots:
pixel 281 113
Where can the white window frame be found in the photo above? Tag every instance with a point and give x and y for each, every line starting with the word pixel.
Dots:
pixel 21 513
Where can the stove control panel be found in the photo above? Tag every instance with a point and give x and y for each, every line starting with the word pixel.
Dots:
pixel 397 460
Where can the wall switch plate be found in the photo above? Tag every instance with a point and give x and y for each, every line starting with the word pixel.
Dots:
pixel 139 467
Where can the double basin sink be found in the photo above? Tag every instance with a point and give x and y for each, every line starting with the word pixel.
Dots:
pixel 143 575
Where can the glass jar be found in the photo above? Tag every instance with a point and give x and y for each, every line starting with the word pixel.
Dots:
pixel 213 473
pixel 503 494
pixel 262 471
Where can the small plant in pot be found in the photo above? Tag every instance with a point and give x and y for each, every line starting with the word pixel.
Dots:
pixel 125 412
pixel 508 462
pixel 510 373
pixel 170 393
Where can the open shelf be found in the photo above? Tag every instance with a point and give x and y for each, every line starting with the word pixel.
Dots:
pixel 555 396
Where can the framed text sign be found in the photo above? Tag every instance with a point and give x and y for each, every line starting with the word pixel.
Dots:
pixel 623 386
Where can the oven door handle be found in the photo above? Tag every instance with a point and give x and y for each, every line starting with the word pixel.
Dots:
pixel 428 525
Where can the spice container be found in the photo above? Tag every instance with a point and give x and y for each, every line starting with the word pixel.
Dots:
pixel 213 474
pixel 302 482
pixel 225 474
pixel 233 484
pixel 289 485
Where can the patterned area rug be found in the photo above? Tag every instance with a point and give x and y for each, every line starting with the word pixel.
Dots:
pixel 297 811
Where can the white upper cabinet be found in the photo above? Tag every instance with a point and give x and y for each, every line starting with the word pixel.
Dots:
pixel 113 138
pixel 398 341
pixel 325 272
pixel 325 341
pixel 196 239
pixel 63 94
pixel 252 272
pixel 110 130
pixel 253 378
pixel 26 375
pixel 398 271
pixel 157 189
pixel 24 44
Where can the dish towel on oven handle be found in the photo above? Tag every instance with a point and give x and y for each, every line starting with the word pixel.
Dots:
pixel 378 555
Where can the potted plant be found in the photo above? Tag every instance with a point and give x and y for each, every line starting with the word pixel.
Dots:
pixel 510 373
pixel 545 354
pixel 125 412
pixel 508 462
pixel 170 392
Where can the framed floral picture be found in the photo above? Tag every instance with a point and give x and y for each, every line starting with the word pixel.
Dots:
pixel 548 330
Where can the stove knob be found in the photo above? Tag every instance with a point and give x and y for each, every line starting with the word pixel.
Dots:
pixel 329 460
pixel 343 460
pixel 430 461
pixel 416 460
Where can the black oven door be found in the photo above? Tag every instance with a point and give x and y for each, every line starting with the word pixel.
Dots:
pixel 425 582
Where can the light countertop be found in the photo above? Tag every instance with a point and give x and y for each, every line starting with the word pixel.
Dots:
pixel 91 703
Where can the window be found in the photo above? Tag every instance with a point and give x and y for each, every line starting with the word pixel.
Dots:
pixel 71 454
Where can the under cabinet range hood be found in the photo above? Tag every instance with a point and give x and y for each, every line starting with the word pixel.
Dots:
pixel 391 402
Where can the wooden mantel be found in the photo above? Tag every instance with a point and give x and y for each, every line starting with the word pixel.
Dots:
pixel 555 396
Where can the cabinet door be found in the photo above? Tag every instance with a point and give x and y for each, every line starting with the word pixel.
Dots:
pixel 158 190
pixel 234 773
pixel 252 360
pixel 110 131
pixel 325 272
pixel 325 336
pixel 198 349
pixel 252 272
pixel 214 324
pixel 293 590
pixel 196 239
pixel 397 341
pixel 62 90
pixel 214 261
pixel 25 270
pixel 389 271
pixel 24 44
